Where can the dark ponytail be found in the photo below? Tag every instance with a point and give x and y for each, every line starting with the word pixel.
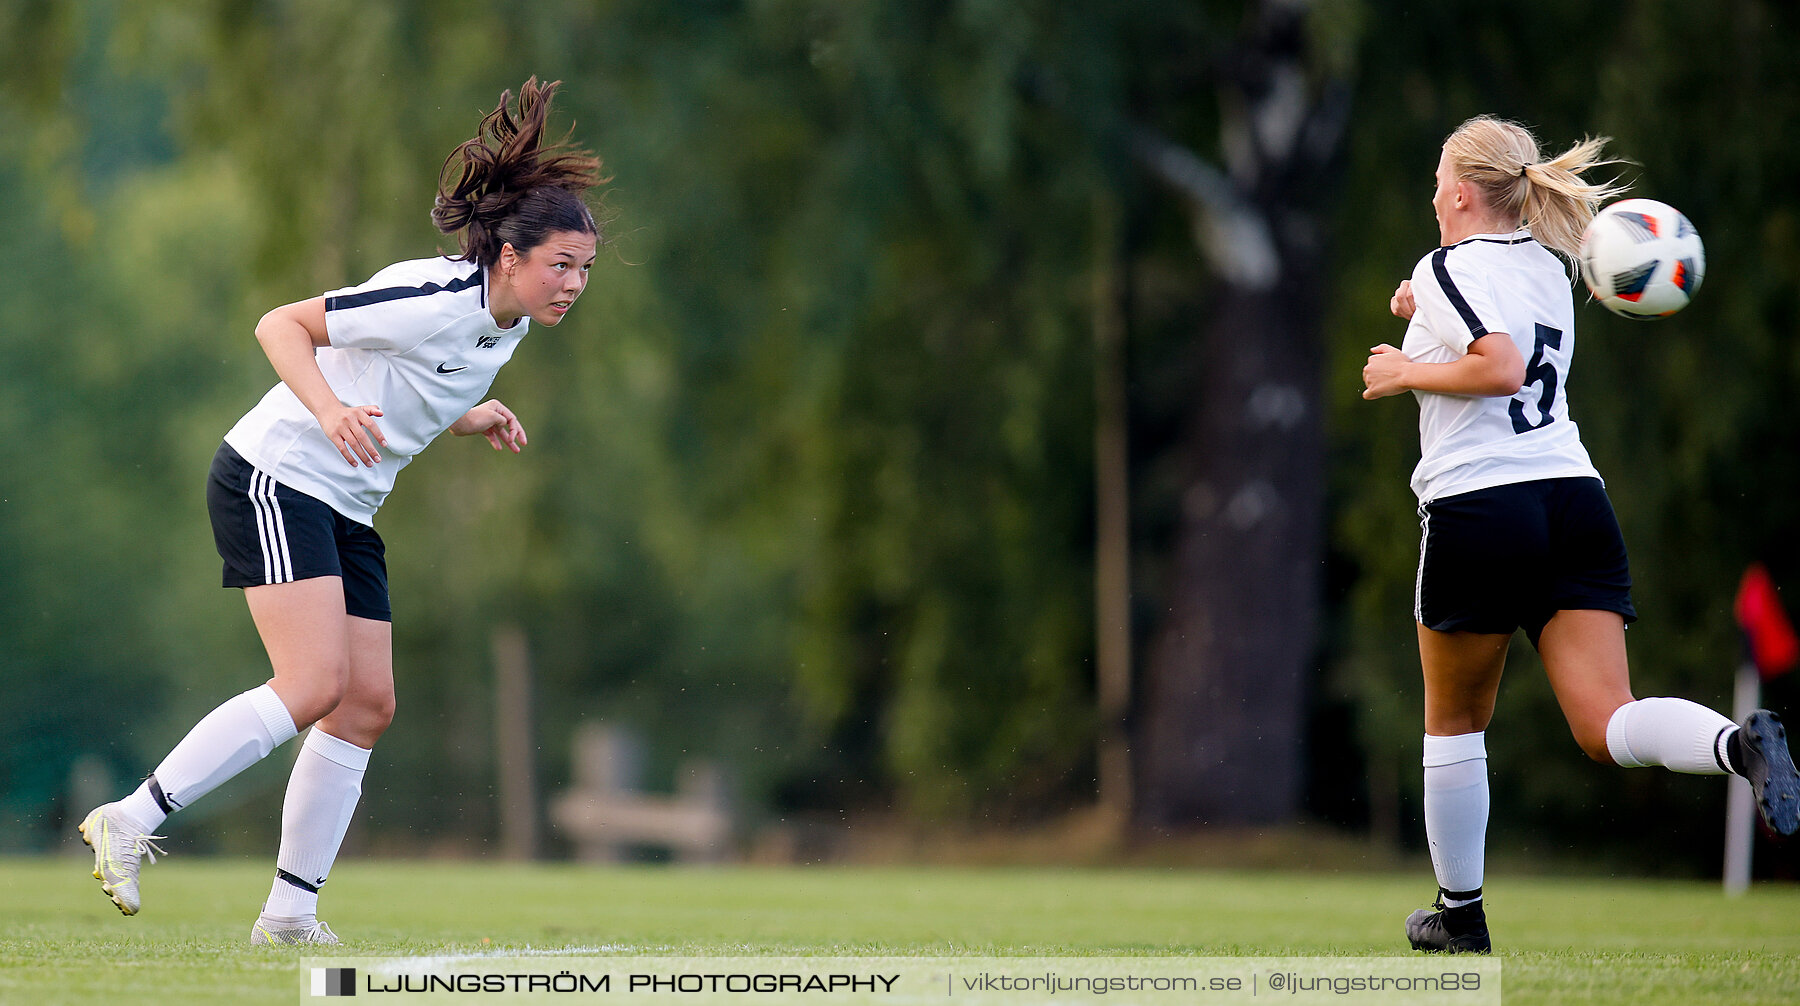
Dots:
pixel 507 186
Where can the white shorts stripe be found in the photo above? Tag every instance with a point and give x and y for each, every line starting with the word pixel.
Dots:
pixel 1419 578
pixel 262 522
pixel 271 532
pixel 281 542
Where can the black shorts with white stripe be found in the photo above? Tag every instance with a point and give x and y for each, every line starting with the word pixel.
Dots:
pixel 271 533
pixel 1512 556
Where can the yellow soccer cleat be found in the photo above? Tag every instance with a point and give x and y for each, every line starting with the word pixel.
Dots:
pixel 118 846
pixel 276 932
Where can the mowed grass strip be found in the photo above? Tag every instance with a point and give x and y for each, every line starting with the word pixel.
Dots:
pixel 1562 940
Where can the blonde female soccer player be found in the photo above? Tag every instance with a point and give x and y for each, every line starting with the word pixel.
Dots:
pixel 1518 531
pixel 369 374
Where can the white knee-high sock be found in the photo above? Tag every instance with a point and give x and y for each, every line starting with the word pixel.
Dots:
pixel 1456 809
pixel 1679 735
pixel 236 735
pixel 321 798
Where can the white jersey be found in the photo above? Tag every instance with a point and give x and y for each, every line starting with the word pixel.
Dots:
pixel 416 341
pixel 1495 283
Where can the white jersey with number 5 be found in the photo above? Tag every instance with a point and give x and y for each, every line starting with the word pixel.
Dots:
pixel 1487 284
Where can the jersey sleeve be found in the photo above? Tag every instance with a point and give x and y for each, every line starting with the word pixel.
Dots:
pixel 1457 302
pixel 395 309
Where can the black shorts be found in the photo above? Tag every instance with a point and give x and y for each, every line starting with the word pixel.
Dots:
pixel 270 533
pixel 1511 556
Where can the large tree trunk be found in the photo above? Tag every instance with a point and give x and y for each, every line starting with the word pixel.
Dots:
pixel 1221 714
pixel 1223 706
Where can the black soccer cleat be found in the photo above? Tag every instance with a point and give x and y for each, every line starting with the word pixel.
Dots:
pixel 1449 930
pixel 1770 768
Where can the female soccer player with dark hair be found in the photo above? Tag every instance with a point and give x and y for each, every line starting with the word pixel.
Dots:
pixel 1518 531
pixel 369 374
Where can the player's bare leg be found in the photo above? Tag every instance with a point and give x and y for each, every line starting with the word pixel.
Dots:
pixel 325 787
pixel 1462 683
pixel 1584 655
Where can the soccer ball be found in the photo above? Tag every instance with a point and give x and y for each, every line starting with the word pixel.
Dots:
pixel 1642 259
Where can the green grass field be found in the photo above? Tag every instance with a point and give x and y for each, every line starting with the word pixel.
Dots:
pixel 1562 941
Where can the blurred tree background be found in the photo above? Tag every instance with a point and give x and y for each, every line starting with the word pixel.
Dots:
pixel 812 485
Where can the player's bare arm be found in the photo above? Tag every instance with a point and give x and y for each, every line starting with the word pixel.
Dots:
pixel 1492 368
pixel 288 335
pixel 494 421
pixel 1401 303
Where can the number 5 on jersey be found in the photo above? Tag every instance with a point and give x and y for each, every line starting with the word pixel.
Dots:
pixel 1538 371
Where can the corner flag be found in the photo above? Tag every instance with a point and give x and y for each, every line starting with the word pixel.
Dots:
pixel 1774 648
pixel 1771 650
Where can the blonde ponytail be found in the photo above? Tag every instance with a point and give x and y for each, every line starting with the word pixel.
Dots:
pixel 1547 197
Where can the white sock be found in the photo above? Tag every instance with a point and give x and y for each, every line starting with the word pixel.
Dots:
pixel 1679 735
pixel 238 734
pixel 321 797
pixel 1456 810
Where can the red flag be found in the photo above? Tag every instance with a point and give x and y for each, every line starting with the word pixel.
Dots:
pixel 1773 646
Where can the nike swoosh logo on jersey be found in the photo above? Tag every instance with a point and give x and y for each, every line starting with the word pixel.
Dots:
pixel 450 370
